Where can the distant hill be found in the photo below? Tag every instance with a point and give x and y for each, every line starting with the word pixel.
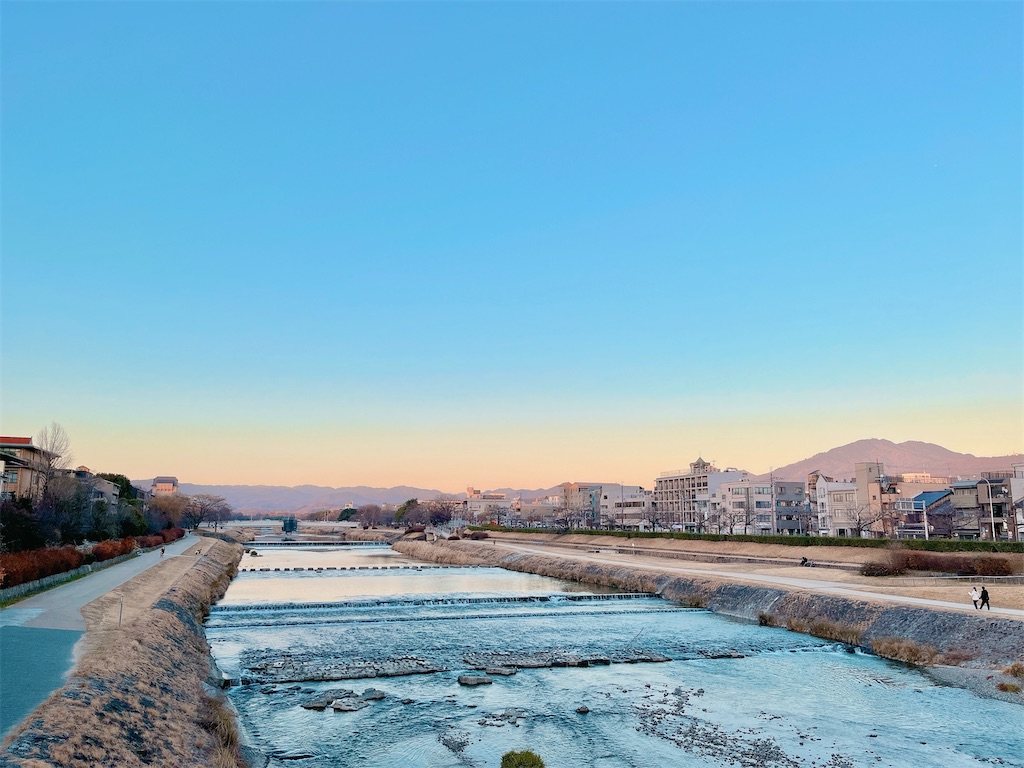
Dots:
pixel 839 463
pixel 301 498
pixel 258 499
pixel 911 456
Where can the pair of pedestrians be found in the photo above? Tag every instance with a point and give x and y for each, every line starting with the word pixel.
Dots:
pixel 982 598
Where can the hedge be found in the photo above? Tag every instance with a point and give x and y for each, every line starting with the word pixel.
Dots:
pixel 33 564
pixel 932 545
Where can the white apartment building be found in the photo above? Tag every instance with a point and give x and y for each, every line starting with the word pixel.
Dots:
pixel 743 505
pixel 837 512
pixel 683 499
pixel 487 506
pixel 625 506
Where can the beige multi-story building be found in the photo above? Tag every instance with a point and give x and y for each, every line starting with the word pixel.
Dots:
pixel 582 503
pixel 164 486
pixel 683 499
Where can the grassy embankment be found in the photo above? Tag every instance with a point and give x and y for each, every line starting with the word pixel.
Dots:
pixel 138 695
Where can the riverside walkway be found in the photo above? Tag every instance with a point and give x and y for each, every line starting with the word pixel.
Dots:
pixel 816 581
pixel 38 635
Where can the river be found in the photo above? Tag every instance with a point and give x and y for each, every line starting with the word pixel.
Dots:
pixel 602 694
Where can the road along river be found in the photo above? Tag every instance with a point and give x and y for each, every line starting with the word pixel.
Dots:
pixel 360 666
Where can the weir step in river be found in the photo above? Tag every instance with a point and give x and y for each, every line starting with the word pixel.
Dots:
pixel 416 601
pixel 382 544
pixel 363 568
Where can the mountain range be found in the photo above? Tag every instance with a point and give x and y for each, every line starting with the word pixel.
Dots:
pixel 838 463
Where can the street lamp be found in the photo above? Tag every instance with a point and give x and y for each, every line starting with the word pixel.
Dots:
pixel 991 508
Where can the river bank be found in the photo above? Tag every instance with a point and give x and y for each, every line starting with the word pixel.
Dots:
pixel 139 693
pixel 960 648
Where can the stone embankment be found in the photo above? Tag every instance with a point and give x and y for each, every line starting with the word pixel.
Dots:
pixel 908 633
pixel 139 695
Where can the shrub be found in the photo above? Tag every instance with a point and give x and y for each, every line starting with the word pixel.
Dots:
pixel 172 534
pixel 108 550
pixel 878 568
pixel 765 619
pixel 1008 687
pixel 901 649
pixel 829 630
pixel 1015 670
pixel 30 565
pixel 991 566
pixel 942 562
pixel 524 759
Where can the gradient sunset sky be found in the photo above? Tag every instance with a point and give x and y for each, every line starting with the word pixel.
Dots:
pixel 509 244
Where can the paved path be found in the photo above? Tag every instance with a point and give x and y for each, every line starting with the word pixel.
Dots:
pixel 38 635
pixel 648 562
pixel 61 607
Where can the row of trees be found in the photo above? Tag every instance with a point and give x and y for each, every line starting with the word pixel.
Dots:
pixel 437 511
pixel 66 508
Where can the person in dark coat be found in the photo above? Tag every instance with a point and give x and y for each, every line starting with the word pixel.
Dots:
pixel 984 600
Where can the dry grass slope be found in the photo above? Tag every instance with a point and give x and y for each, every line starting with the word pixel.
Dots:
pixel 138 699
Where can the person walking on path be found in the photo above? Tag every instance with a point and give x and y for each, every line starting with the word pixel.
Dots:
pixel 984 599
pixel 975 597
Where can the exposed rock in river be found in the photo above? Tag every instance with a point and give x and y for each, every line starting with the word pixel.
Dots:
pixel 543 659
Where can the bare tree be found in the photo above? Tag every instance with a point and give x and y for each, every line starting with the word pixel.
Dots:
pixel 202 506
pixel 162 510
pixel 370 515
pixel 443 508
pixel 55 448
pixel 863 517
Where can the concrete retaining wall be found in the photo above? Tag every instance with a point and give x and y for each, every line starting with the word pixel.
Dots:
pixel 970 640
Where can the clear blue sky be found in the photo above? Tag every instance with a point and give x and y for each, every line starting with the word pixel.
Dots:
pixel 509 243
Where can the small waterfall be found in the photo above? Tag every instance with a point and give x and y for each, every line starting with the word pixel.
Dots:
pixel 427 601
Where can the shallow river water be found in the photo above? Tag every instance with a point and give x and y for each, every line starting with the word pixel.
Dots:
pixel 733 693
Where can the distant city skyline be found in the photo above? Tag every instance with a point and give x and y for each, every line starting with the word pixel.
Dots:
pixel 509 244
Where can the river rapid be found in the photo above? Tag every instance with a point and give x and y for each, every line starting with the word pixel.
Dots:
pixel 376 643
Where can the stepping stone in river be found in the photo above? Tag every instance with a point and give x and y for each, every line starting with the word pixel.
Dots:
pixel 474 680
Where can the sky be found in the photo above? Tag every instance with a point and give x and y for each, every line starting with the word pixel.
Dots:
pixel 508 244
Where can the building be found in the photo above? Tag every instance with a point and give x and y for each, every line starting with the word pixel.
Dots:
pixel 487 507
pixel 24 471
pixel 582 502
pixel 742 506
pixel 1017 496
pixel 927 514
pixel 164 486
pixel 878 494
pixel 683 498
pixel 753 506
pixel 100 489
pixel 625 507
pixel 836 508
pixel 792 511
